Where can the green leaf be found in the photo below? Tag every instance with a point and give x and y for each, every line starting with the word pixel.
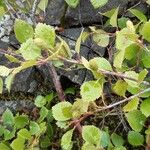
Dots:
pixel 34 128
pixel 91 134
pixel 4 147
pixel 131 51
pixel 122 22
pixel 25 134
pixel 105 139
pixel 148 2
pixel 142 75
pixel 117 140
pixel 30 50
pixel 8 135
pixel 79 107
pixel 23 30
pixel 1 85
pixel 40 101
pixel 132 105
pixel 66 142
pixel 109 13
pixel 62 124
pixel 113 19
pixel 145 107
pixel 88 146
pixel 24 65
pixel 45 33
pixel 12 58
pixel 4 71
pixel 133 75
pixel 8 81
pixel 91 90
pixel 118 60
pixel 21 121
pixel 138 14
pixel 8 118
pixel 146 58
pixel 122 39
pixel 43 4
pixel 64 50
pixel 62 111
pixel 100 63
pixel 101 38
pixel 2 11
pixel 2 128
pixel 98 3
pixel 136 120
pixel 78 43
pixel 18 144
pixel 72 3
pixel 120 88
pixel 119 148
pixel 43 113
pixel 145 31
pixel 135 138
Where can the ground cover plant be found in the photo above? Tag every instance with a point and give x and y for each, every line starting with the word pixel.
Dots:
pixel 120 82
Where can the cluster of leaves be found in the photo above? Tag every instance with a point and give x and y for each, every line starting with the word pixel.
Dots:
pixel 21 132
pixel 129 65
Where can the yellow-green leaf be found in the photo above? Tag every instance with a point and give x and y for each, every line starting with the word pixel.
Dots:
pixel 23 30
pixel 132 105
pixel 113 19
pixel 120 87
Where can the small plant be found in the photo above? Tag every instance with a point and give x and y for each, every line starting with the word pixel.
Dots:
pixel 27 132
pixel 128 66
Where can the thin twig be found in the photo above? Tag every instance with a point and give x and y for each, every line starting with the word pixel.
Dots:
pixel 56 81
pixel 33 10
pixel 123 101
pixel 121 75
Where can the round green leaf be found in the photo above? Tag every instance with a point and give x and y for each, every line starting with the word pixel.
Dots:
pixel 40 101
pixel 133 75
pixel 91 90
pixel 135 138
pixel 34 128
pixel 91 134
pixel 136 120
pixel 132 105
pixel 100 63
pixel 30 50
pixel 62 111
pixel 66 142
pixel 21 121
pixel 45 33
pixel 18 144
pixel 23 30
pixel 4 147
pixel 117 140
pixel 145 107
pixel 25 134
pixel 101 38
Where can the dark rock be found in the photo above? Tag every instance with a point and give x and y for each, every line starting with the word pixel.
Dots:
pixel 89 49
pixel 55 12
pixel 87 15
pixel 15 105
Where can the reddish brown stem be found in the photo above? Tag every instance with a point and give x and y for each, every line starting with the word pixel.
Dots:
pixel 56 81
